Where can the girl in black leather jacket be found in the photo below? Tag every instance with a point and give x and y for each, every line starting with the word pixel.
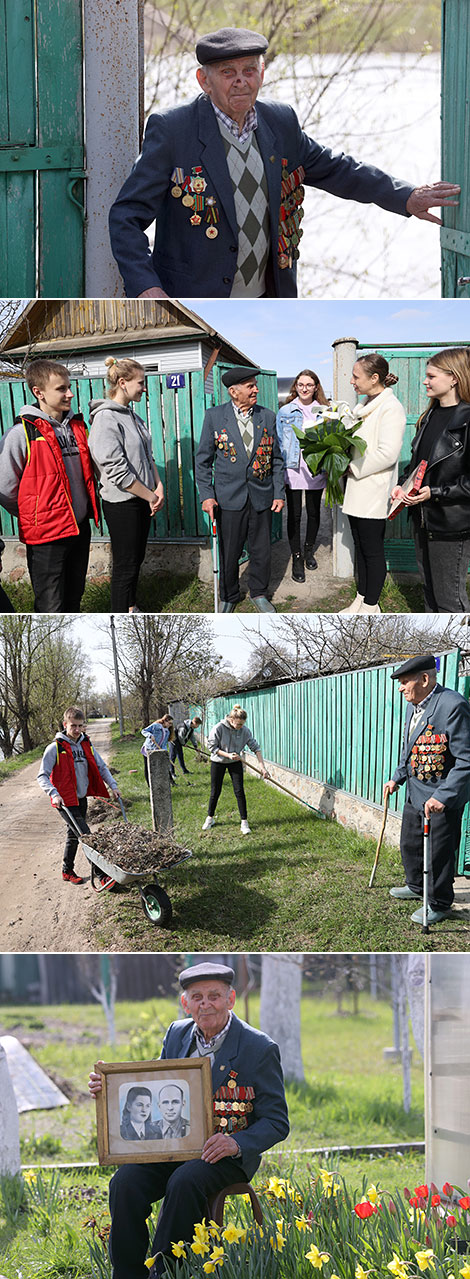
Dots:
pixel 441 510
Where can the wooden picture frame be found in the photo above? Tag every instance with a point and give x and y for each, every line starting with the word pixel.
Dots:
pixel 131 1126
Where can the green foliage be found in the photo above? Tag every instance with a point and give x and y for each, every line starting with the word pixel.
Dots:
pixel 13 1196
pixel 329 446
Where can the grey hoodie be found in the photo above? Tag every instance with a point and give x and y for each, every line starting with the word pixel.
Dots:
pixel 224 737
pixel 80 764
pixel 121 447
pixel 14 455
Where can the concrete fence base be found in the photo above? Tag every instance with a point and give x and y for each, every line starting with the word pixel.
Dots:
pixel 160 557
pixel 352 812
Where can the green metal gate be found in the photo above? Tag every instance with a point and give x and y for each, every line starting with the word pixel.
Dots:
pixel 175 416
pixel 41 149
pixel 409 364
pixel 455 234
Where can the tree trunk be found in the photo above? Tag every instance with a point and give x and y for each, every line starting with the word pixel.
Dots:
pixel 281 988
pixel 415 972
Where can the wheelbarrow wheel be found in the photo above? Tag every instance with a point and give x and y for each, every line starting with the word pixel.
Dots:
pixel 156 905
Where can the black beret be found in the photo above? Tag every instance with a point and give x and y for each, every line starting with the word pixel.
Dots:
pixel 415 665
pixel 239 374
pixel 206 972
pixel 229 42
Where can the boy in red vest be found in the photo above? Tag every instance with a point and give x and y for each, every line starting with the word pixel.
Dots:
pixel 47 480
pixel 72 769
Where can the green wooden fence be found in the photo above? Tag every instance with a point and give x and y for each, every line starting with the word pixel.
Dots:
pixel 342 730
pixel 455 135
pixel 41 148
pixel 175 418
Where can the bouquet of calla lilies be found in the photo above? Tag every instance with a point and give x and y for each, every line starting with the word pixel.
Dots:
pixel 327 445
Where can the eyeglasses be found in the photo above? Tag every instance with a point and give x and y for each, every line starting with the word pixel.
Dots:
pixel 307 386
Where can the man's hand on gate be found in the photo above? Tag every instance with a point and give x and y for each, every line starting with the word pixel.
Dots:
pixel 424 198
pixel 433 805
pixel 220 1146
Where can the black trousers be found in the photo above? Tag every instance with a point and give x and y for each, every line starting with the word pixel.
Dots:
pixel 235 528
pixel 370 556
pixel 175 751
pixel 294 512
pixel 58 572
pixel 136 1187
pixel 78 811
pixel 128 523
pixel 444 838
pixel 235 769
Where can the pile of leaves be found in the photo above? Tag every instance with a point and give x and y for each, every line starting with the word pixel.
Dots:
pixel 328 446
pixel 133 848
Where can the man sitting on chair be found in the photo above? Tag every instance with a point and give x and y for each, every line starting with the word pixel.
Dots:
pixel 245 1063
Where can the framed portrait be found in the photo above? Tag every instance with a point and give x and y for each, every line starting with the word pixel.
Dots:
pixel 149 1111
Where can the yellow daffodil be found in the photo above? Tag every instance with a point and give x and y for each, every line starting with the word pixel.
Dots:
pixel 218 1255
pixel 316 1257
pixel 150 1260
pixel 302 1223
pixel 372 1194
pixel 418 1213
pixel 465 1271
pixel 360 1273
pixel 199 1247
pixel 214 1229
pixel 178 1248
pixel 29 1177
pixel 397 1267
pixel 277 1187
pixel 209 1267
pixel 232 1233
pixel 201 1232
pixel 277 1244
pixel 424 1258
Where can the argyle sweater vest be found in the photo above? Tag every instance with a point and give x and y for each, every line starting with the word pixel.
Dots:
pixel 250 193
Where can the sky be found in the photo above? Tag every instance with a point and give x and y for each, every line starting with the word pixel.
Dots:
pixel 288 334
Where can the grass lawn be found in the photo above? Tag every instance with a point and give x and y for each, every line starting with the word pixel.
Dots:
pixel 296 883
pixel 17 762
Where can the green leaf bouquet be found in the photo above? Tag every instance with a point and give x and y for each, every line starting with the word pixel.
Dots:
pixel 328 446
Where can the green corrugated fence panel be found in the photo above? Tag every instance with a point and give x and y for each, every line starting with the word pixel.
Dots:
pixel 155 422
pixel 60 117
pixel 17 95
pixel 172 468
pixel 200 401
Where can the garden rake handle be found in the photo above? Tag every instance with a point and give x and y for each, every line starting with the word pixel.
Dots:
pixel 379 844
pixel 278 785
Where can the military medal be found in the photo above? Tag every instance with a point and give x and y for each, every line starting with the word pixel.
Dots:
pixel 195 220
pixel 177 177
pixel 212 233
pixel 212 216
pixel 188 201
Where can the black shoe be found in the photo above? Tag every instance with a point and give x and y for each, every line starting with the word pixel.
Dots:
pixel 186 772
pixel 298 571
pixel 310 561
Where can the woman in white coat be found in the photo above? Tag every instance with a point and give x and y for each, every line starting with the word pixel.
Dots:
pixel 370 477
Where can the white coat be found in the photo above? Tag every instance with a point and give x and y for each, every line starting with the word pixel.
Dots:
pixel 382 424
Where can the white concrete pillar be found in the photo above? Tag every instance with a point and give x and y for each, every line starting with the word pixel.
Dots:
pixel 114 69
pixel 9 1125
pixel 343 547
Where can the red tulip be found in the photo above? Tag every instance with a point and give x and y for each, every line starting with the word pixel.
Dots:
pixel 422 1192
pixel 465 1202
pixel 364 1210
pixel 451 1220
pixel 407 1193
pixel 436 1199
pixel 447 1189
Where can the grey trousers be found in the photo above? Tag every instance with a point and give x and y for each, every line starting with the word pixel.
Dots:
pixel 443 568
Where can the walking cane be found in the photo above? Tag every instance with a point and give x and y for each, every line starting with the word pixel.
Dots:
pixel 379 844
pixel 215 568
pixel 425 873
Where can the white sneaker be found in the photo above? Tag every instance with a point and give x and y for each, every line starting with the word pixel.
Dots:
pixel 245 829
pixel 355 606
pixel 369 608
pixel 210 821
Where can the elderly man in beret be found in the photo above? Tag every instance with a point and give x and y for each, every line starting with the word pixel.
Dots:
pixel 240 476
pixel 246 1064
pixel 224 180
pixel 435 765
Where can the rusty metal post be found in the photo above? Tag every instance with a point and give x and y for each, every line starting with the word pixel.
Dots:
pixel 113 50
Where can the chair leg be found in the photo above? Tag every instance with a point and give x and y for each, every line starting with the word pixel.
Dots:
pixel 217 1205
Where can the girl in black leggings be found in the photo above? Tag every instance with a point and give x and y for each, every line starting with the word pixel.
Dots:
pixel 227 741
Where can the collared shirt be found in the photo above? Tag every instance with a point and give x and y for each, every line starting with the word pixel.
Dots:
pixel 420 711
pixel 250 122
pixel 173 1130
pixel 244 422
pixel 208 1048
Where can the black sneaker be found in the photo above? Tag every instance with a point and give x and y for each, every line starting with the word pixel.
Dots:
pixel 298 571
pixel 310 561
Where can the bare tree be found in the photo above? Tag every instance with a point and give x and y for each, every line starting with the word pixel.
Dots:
pixel 41 670
pixel 100 972
pixel 163 658
pixel 323 644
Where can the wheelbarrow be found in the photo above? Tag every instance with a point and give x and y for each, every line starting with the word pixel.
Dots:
pixel 155 902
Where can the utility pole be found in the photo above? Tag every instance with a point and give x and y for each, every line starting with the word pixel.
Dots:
pixel 116 676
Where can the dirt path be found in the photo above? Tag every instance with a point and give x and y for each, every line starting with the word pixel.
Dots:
pixel 39 911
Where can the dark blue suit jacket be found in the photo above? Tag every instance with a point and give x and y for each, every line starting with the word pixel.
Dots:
pixel 448 713
pixel 232 479
pixel 255 1058
pixel 184 262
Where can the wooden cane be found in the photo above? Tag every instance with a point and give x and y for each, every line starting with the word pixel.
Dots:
pixel 379 845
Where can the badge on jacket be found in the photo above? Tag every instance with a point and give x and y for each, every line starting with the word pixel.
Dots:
pixel 224 446
pixel 428 755
pixel 262 461
pixel 191 187
pixel 290 215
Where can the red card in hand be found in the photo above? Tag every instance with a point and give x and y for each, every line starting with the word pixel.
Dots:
pixel 411 487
